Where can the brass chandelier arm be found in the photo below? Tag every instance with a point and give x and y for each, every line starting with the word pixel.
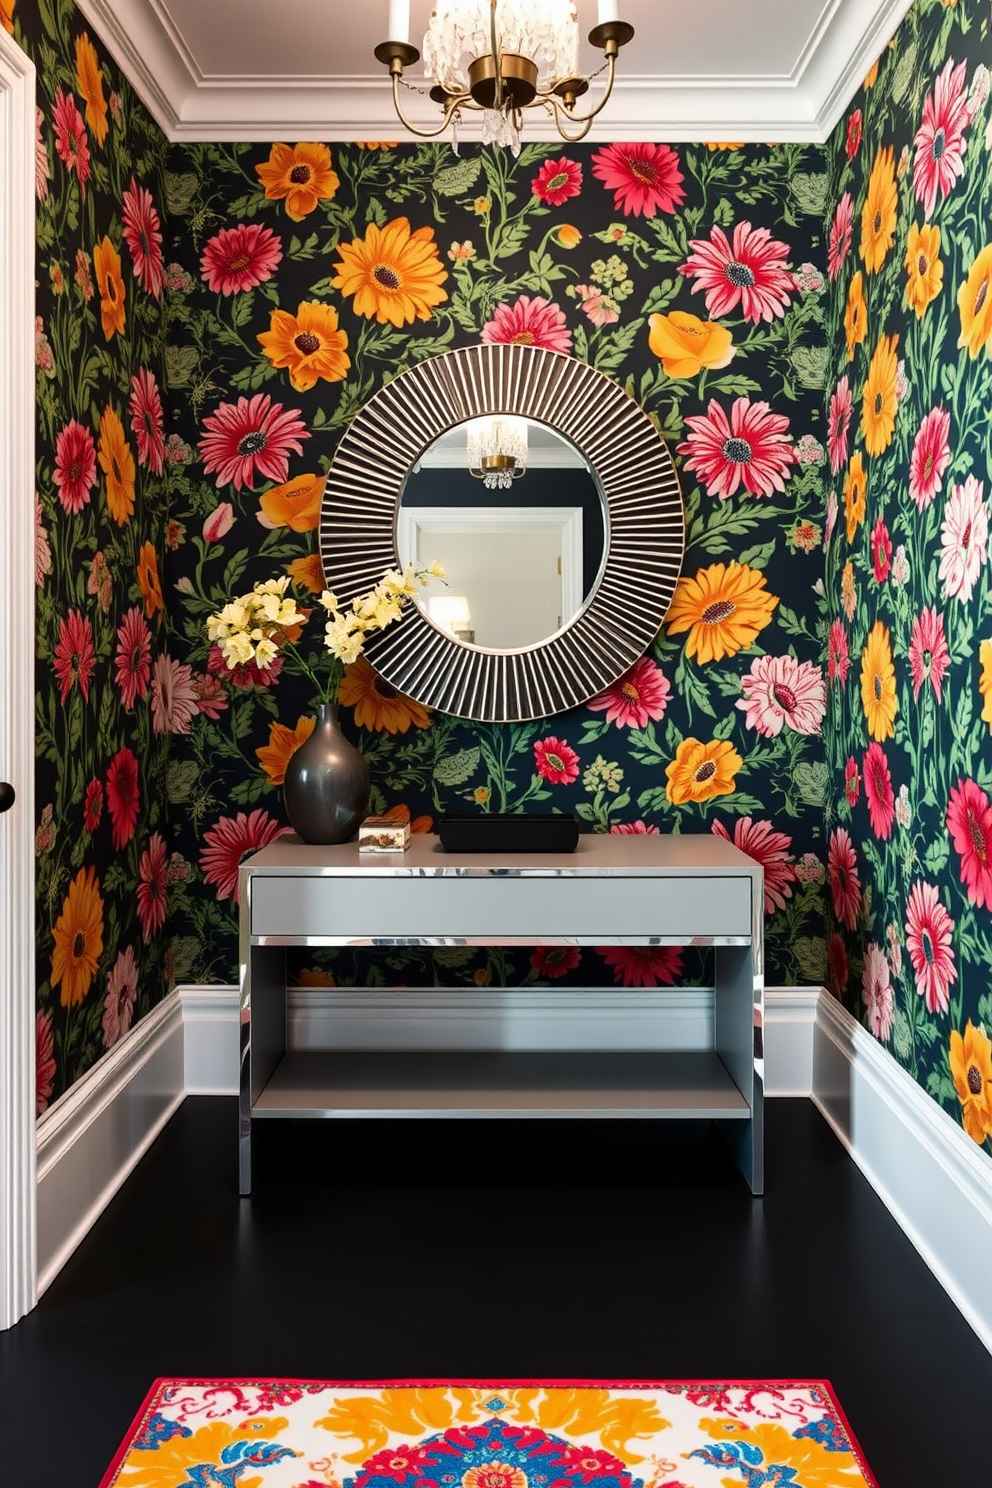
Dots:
pixel 561 109
pixel 451 107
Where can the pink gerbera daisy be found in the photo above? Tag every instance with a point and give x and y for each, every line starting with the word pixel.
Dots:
pixel 557 181
pixel 840 235
pixel 42 547
pixel 769 848
pixel 175 697
pixel 930 458
pixel 751 448
pixel 845 880
pixel 122 992
pixel 147 420
pixel 240 258
pixel 132 660
pixel 75 657
pixel 71 142
pixel 556 761
pixel 153 886
pixel 877 991
pixel 838 654
pixel 929 933
pixel 555 961
pixel 642 693
pixel 783 692
pixel 44 1061
pixel 529 322
pixel 879 795
pixel 852 781
pixel 142 231
pixel 75 466
pixel 940 141
pixel 969 820
pixel 250 438
pixel 750 272
pixel 42 173
pixel 228 841
pixel 881 551
pixel 838 424
pixel 963 539
pixel 929 657
pixel 634 829
pixel 123 796
pixel 644 178
pixel 643 966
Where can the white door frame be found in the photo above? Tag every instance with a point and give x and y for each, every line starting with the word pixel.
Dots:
pixel 17 635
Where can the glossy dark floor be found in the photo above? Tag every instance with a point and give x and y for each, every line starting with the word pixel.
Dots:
pixel 589 1249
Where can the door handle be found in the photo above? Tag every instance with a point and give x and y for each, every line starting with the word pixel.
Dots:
pixel 6 796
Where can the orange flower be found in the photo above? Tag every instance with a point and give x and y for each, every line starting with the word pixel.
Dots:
pixel 687 344
pixel 78 938
pixel 299 175
pixel 723 608
pixel 117 464
pixel 854 494
pixel 107 266
pixel 701 771
pixel 975 305
pixel 7 15
pixel 393 273
pixel 971 1071
pixel 283 744
pixel 309 343
pixel 878 216
pixel 90 80
pixel 312 976
pixel 880 401
pixel 148 579
pixel 924 269
pixel 296 504
pixel 377 705
pixel 855 315
pixel 308 573
pixel 871 76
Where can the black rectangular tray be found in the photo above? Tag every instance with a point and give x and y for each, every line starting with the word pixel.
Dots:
pixel 521 833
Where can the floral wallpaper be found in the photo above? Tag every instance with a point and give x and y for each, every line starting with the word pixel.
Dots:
pixel 908 588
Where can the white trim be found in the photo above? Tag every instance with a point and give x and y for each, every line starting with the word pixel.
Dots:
pixel 17 743
pixel 929 1174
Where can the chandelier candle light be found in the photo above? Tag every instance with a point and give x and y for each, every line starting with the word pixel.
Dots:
pixel 497 450
pixel 500 57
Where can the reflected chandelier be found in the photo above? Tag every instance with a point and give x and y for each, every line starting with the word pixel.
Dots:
pixel 500 57
pixel 497 450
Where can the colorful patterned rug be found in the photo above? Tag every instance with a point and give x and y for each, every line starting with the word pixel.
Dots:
pixel 251 1433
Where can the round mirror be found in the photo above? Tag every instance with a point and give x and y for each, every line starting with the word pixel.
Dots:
pixel 514 513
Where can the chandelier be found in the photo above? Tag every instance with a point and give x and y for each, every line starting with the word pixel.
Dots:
pixel 499 57
pixel 497 450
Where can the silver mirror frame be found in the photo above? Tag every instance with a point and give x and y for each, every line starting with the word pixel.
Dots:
pixel 645 524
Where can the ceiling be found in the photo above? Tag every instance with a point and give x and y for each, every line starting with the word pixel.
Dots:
pixel 303 69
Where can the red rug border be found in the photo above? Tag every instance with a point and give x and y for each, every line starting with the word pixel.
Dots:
pixel 497 1384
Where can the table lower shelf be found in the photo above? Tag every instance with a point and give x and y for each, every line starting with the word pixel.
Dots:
pixel 486 1084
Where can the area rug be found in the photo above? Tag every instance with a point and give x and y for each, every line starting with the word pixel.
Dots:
pixel 293 1433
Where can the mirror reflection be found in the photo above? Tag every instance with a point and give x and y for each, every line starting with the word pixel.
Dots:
pixel 514 512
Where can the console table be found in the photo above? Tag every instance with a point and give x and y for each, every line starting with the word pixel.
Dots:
pixel 639 890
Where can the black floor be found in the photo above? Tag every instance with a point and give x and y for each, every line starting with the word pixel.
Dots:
pixel 601 1250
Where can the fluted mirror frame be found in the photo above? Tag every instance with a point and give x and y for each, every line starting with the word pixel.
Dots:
pixel 645 523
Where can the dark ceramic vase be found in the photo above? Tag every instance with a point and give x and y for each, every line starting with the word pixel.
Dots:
pixel 326 789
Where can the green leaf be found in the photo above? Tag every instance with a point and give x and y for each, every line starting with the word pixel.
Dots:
pixel 937 855
pixel 812 781
pixel 810 952
pixel 458 180
pixel 455 769
pixel 758 555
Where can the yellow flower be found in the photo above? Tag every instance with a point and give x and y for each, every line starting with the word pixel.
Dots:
pixel 7 15
pixel 924 269
pixel 309 343
pixel 848 591
pixel 107 266
pixel 855 315
pixel 481 206
pixel 117 464
pixel 90 80
pixel 985 681
pixel 871 75
pixel 723 608
pixel 307 573
pixel 686 344
pixel 725 145
pixel 975 305
pixel 971 1071
pixel 377 705
pixel 878 216
pixel 78 938
pixel 296 504
pixel 283 744
pixel 878 684
pixel 393 273
pixel 299 175
pixel 568 236
pixel 854 494
pixel 880 400
pixel 701 771
pixel 148 580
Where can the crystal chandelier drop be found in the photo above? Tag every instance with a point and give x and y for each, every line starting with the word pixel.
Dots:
pixel 497 450
pixel 499 57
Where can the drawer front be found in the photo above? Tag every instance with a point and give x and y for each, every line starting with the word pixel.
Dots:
pixel 486 910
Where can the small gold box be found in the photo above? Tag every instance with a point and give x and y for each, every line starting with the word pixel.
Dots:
pixel 382 834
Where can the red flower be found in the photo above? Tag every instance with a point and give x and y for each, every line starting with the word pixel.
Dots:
pixel 147 420
pixel 852 781
pixel 939 141
pixel 239 258
pixel 44 1061
pixel 838 423
pixel 142 231
pixel 929 933
pixel 227 841
pixel 881 551
pixel 153 886
pixel 75 658
pixel 634 829
pixel 930 458
pixel 969 819
pixel 840 235
pixel 246 675
pixel 211 697
pixel 93 805
pixel 751 448
pixel 557 181
pixel 750 272
pixel 641 693
pixel 878 790
pixel 132 662
pixel 252 435
pixel 643 177
pixel 845 881
pixel 556 761
pixel 123 796
pixel 75 466
pixel 837 971
pixel 71 143
pixel 853 139
pixel 529 322
pixel 643 966
pixel 769 848
pixel 838 656
pixel 929 657
pixel 555 961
